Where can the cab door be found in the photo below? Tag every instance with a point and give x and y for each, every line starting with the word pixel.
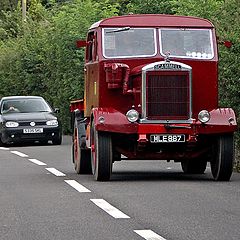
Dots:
pixel 91 92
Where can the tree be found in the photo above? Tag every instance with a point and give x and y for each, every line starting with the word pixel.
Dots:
pixel 7 5
pixel 43 58
pixel 150 6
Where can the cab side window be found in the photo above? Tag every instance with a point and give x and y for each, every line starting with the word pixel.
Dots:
pixel 91 51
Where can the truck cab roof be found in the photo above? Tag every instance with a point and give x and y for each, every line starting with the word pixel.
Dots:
pixel 153 20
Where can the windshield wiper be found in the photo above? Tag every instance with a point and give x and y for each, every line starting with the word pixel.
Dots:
pixel 119 30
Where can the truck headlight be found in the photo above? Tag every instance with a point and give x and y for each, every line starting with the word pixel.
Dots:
pixel 52 123
pixel 204 116
pixel 132 115
pixel 11 124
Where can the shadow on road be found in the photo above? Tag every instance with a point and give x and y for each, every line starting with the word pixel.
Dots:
pixel 159 176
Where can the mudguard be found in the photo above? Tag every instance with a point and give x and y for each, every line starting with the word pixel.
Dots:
pixel 109 119
pixel 223 120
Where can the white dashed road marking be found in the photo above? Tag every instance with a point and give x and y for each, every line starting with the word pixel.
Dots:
pixel 33 160
pixel 19 154
pixel 4 148
pixel 56 172
pixel 149 235
pixel 77 186
pixel 111 210
pixel 101 203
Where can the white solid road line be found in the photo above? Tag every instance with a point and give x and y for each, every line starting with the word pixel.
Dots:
pixel 4 148
pixel 55 172
pixel 111 210
pixel 19 154
pixel 33 160
pixel 149 235
pixel 77 186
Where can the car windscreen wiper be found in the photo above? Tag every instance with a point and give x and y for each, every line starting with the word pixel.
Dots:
pixel 119 30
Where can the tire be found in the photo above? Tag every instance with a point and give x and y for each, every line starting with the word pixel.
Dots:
pixel 194 166
pixel 101 154
pixel 223 157
pixel 57 140
pixel 81 157
pixel 1 143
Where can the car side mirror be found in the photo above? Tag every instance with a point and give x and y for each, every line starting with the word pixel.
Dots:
pixel 56 110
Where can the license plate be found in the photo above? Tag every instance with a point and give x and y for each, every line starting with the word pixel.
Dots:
pixel 33 130
pixel 167 138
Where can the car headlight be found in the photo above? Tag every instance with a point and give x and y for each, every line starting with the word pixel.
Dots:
pixel 11 124
pixel 132 115
pixel 204 116
pixel 52 123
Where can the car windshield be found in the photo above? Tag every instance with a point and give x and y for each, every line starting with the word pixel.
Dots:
pixel 129 42
pixel 187 43
pixel 25 106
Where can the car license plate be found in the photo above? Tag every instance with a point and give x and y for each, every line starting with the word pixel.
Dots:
pixel 33 130
pixel 167 138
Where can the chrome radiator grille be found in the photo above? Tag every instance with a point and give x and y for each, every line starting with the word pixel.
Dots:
pixel 167 95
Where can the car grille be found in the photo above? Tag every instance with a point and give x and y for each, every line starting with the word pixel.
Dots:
pixel 27 123
pixel 167 95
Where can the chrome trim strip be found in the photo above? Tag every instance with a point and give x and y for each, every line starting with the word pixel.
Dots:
pixel 134 56
pixel 187 57
pixel 144 120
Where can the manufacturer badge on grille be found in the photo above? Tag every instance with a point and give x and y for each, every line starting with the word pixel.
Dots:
pixel 167 66
pixel 32 124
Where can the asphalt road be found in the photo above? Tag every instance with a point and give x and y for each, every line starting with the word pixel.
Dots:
pixel 42 198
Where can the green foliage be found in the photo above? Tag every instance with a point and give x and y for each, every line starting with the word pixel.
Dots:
pixel 150 6
pixel 200 8
pixel 7 5
pixel 10 24
pixel 42 59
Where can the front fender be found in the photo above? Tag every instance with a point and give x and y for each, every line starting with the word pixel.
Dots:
pixel 111 120
pixel 223 120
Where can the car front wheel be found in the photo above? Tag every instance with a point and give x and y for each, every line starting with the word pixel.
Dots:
pixel 58 139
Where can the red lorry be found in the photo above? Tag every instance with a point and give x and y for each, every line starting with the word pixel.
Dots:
pixel 151 92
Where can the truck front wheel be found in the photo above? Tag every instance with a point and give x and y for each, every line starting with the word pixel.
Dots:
pixel 81 156
pixel 101 154
pixel 222 161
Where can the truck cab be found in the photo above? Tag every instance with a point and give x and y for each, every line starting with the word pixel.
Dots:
pixel 151 93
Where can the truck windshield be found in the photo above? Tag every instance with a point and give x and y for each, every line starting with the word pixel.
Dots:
pixel 129 42
pixel 186 43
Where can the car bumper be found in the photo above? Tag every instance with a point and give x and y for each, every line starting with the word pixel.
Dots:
pixel 17 135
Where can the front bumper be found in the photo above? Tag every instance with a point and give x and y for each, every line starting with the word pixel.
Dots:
pixel 223 120
pixel 15 135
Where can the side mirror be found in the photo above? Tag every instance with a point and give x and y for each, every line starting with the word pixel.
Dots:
pixel 56 110
pixel 227 44
pixel 81 43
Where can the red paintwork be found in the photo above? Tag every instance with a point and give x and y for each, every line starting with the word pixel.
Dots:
pixel 153 20
pixel 109 100
pixel 81 43
pixel 118 123
pixel 77 104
